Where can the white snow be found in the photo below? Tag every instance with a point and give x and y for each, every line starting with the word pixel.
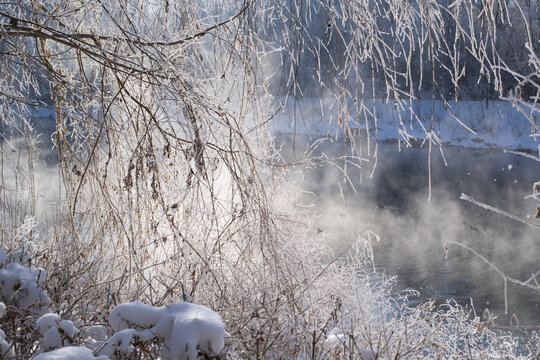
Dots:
pixel 135 315
pixel 97 332
pixel 193 326
pixel 20 256
pixel 6 350
pixel 53 339
pixel 499 125
pixel 68 353
pixel 185 327
pixel 119 343
pixel 68 328
pixel 47 321
pixel 21 282
pixel 56 332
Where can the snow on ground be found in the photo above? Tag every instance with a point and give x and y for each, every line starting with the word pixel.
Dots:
pixel 473 124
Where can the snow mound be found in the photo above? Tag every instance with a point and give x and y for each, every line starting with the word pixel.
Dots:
pixel 56 332
pixel 97 332
pixel 186 329
pixel 47 321
pixel 21 283
pixel 70 352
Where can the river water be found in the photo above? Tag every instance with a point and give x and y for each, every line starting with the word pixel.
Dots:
pixel 413 231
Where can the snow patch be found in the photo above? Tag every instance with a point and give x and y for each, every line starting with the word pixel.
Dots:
pixel 68 353
pixel 6 350
pixel 56 332
pixel 186 329
pixel 47 321
pixel 21 283
pixel 462 123
pixel 97 332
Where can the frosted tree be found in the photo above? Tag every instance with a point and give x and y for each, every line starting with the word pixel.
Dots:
pixel 170 184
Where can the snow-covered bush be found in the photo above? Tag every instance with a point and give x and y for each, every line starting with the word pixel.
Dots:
pixel 55 332
pixel 339 292
pixel 23 297
pixel 25 309
pixel 175 331
pixel 185 329
pixel 21 283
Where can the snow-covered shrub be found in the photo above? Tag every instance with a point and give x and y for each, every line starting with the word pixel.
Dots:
pixel 55 332
pixel 25 311
pixel 175 331
pixel 21 283
pixel 185 329
pixel 24 298
pixel 96 333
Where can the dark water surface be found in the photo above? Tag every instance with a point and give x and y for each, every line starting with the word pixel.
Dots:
pixel 413 231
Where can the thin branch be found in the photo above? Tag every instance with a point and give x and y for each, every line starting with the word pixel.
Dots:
pixel 499 211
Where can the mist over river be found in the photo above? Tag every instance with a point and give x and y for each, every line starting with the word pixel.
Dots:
pixel 394 204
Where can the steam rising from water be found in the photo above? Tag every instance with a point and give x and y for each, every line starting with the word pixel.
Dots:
pixel 413 231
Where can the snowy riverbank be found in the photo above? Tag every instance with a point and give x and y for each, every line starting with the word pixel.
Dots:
pixel 473 124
